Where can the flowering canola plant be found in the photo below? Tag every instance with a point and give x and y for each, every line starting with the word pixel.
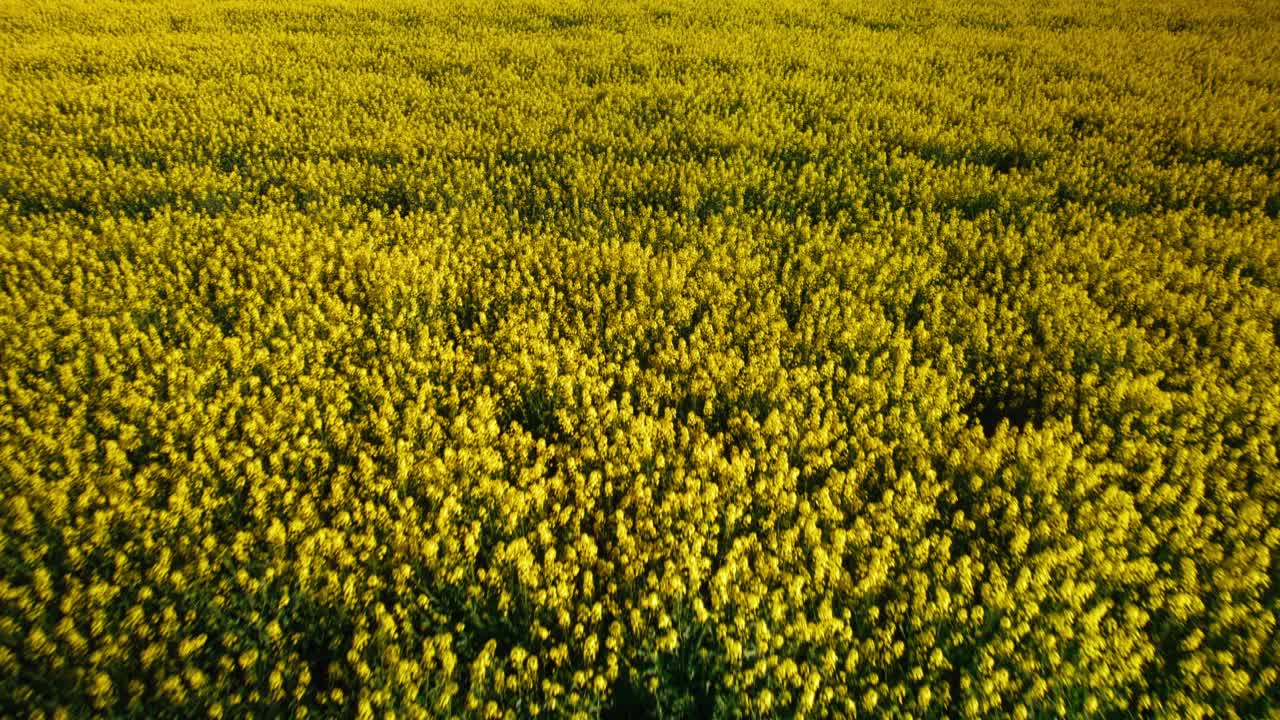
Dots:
pixel 377 358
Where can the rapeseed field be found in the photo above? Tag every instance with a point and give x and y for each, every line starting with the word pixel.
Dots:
pixel 649 358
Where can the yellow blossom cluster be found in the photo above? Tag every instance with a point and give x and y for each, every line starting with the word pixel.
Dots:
pixel 420 358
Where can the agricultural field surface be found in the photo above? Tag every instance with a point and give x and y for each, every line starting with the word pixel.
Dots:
pixel 639 359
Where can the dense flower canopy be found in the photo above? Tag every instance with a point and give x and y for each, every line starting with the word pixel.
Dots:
pixel 372 358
